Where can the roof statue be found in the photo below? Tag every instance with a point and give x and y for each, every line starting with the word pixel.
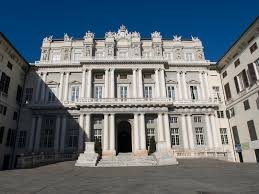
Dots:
pixel 156 35
pixel 110 34
pixel 48 39
pixel 67 38
pixel 195 38
pixel 135 35
pixel 88 34
pixel 177 38
pixel 122 33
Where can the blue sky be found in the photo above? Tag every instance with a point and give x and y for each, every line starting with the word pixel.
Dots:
pixel 217 23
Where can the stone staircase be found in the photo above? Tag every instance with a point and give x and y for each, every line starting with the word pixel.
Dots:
pixel 127 159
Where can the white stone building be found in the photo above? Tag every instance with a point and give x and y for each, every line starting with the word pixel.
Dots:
pixel 13 68
pixel 122 90
pixel 239 73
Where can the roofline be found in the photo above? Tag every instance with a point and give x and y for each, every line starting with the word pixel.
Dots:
pixel 1 33
pixel 234 44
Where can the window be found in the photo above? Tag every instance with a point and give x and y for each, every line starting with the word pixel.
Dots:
pixel 237 62
pixel 19 94
pixel 253 47
pixel 194 92
pixel 252 72
pixel 11 136
pixel 246 105
pixel 97 120
pixel 224 74
pixel 1 108
pixel 150 134
pixel 197 119
pixel 241 81
pixel 5 110
pixel 28 95
pixel 123 92
pixel 232 112
pixel 73 132
pixel 224 136
pixel 175 139
pixel 150 121
pixel 216 93
pixel 251 129
pixel 98 76
pixel 22 139
pixel 47 133
pixel 15 115
pixel 4 83
pixel 227 91
pixel 173 119
pixel 220 114
pixel 8 139
pixel 188 56
pixel 9 65
pixel 1 134
pixel 74 93
pixel 147 75
pixel 148 92
pixel 235 134
pixel 123 76
pixel 98 92
pixel 52 94
pixel 171 92
pixel 97 135
pixel 199 136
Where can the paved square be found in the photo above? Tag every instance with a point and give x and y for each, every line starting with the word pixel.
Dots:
pixel 190 176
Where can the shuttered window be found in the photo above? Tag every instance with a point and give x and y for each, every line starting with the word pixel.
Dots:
pixel 252 74
pixel 235 134
pixel 227 91
pixel 236 84
pixel 251 129
pixel 245 79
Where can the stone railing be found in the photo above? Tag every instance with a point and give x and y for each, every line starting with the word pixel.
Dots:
pixel 43 159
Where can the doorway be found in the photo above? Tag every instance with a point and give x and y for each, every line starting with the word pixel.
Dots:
pixel 124 137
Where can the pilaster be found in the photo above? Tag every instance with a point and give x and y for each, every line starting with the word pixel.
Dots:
pixel 57 136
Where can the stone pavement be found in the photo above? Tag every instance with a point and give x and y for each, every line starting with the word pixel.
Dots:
pixel 201 176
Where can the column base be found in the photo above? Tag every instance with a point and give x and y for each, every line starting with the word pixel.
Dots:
pixel 108 153
pixel 140 153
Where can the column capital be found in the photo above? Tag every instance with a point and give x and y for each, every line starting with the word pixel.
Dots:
pixel 89 69
pixel 134 69
pixel 107 69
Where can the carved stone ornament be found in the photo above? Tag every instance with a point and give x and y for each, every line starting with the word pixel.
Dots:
pixel 135 34
pixel 156 35
pixel 109 34
pixel 88 34
pixel 195 39
pixel 66 54
pixel 122 33
pixel 47 39
pixel 45 55
pixel 199 54
pixel 177 38
pixel 67 38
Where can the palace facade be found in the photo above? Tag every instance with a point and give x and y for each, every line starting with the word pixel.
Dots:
pixel 122 90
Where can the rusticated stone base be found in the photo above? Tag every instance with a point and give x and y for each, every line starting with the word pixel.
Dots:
pixel 108 153
pixel 140 153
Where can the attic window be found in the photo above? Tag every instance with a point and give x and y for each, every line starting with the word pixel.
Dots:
pixel 237 62
pixel 123 76
pixel 99 76
pixel 147 76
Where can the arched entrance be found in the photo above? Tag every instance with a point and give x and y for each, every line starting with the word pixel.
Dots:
pixel 124 137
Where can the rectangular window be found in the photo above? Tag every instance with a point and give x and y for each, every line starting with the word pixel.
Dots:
pixel 224 74
pixel 147 76
pixel 216 93
pixel 224 136
pixel 4 83
pixel 11 136
pixel 15 115
pixel 98 76
pixel 251 129
pixel 220 114
pixel 173 119
pixel 19 94
pixel 9 65
pixel 123 76
pixel 237 62
pixel 194 92
pixel 52 94
pixel 150 121
pixel 47 133
pixel 148 92
pixel 1 134
pixel 253 47
pixel 123 92
pixel 227 91
pixel 150 134
pixel 197 119
pixel 199 136
pixel 171 92
pixel 22 139
pixel 73 132
pixel 28 95
pixel 98 94
pixel 246 105
pixel 252 72
pixel 5 110
pixel 1 108
pixel 97 135
pixel 74 93
pixel 235 134
pixel 98 121
pixel 232 112
pixel 175 138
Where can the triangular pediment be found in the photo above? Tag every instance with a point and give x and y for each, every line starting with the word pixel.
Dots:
pixel 193 82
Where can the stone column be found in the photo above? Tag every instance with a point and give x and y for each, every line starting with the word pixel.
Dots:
pixel 66 87
pixel 214 130
pixel 37 92
pixel 210 140
pixel 167 131
pixel 112 133
pixel 112 84
pixel 142 132
pixel 140 84
pixel 61 83
pixel 207 89
pixel 81 133
pixel 88 127
pixel 134 83
pixel 63 134
pixel 56 142
pixel 163 88
pixel 32 134
pixel 179 86
pixel 202 86
pixel 136 132
pixel 190 131
pixel 106 84
pixel 184 132
pixel 43 88
pixel 105 133
pixel 160 127
pixel 83 84
pixel 38 134
pixel 89 84
pixel 157 83
pixel 185 92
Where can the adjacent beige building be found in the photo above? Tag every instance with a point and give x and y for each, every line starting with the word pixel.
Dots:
pixel 13 68
pixel 239 75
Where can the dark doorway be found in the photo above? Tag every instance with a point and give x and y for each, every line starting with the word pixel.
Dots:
pixel 240 156
pixel 6 162
pixel 257 155
pixel 124 137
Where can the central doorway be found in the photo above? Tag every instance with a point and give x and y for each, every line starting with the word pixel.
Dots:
pixel 124 137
